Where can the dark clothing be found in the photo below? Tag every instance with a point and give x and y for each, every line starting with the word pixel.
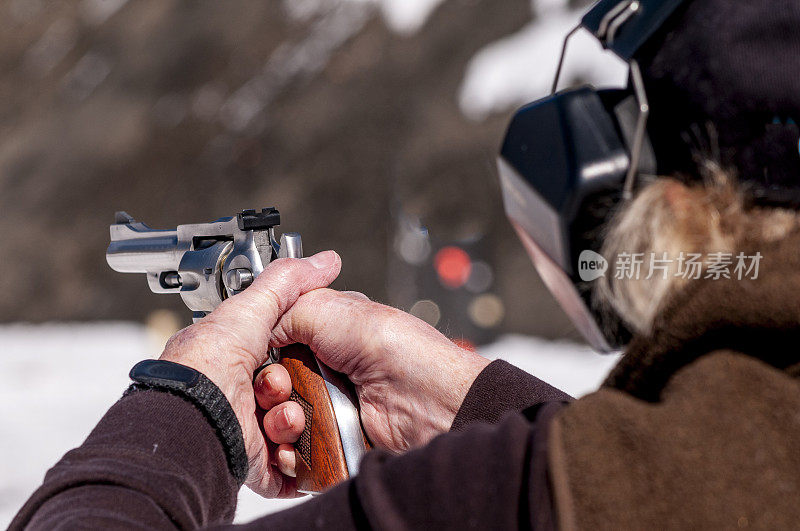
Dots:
pixel 501 388
pixel 721 77
pixel 154 461
pixel 697 427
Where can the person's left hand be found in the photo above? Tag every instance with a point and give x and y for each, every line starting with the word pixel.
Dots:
pixel 229 344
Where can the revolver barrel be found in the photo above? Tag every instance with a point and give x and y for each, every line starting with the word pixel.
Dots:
pixel 203 262
pixel 132 251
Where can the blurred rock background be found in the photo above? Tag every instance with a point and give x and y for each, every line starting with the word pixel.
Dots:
pixel 350 116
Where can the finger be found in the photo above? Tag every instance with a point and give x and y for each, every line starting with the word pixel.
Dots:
pixel 337 326
pixel 284 423
pixel 289 488
pixel 281 283
pixel 349 332
pixel 325 314
pixel 266 479
pixel 285 458
pixel 251 315
pixel 272 386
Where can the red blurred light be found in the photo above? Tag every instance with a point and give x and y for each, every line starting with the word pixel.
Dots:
pixel 453 265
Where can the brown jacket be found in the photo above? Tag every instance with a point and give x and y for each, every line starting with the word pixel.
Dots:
pixel 699 425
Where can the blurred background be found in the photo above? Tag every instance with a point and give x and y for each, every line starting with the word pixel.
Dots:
pixel 372 125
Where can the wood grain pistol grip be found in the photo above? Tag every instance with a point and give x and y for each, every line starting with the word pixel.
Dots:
pixel 330 448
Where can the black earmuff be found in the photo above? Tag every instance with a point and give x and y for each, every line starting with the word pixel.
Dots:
pixel 569 159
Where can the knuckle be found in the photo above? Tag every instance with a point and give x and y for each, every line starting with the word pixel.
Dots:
pixel 278 283
pixel 271 295
pixel 385 324
pixel 311 306
pixel 189 338
pixel 275 297
pixel 209 330
pixel 387 316
pixel 335 301
pixel 322 295
pixel 212 337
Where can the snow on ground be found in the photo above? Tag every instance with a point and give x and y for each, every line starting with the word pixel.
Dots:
pixel 57 380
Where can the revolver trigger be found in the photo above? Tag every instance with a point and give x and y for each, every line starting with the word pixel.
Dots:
pixel 291 245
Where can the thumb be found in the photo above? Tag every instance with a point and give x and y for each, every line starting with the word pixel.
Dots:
pixel 251 315
pixel 342 329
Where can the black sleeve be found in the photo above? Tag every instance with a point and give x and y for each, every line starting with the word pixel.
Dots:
pixel 492 474
pixel 153 461
pixel 487 477
pixel 500 388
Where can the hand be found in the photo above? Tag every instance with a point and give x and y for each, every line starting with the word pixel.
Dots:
pixel 410 379
pixel 232 342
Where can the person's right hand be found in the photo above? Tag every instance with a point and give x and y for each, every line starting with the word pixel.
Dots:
pixel 410 379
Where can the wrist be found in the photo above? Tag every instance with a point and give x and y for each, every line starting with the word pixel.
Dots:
pixel 469 366
pixel 211 349
pixel 233 381
pixel 462 367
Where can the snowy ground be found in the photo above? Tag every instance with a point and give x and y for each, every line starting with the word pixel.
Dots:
pixel 57 380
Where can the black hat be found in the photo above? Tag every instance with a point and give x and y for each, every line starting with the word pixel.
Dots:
pixel 725 74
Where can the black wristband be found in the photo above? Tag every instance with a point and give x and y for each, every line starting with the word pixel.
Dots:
pixel 193 386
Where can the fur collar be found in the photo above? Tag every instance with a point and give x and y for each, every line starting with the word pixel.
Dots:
pixel 758 317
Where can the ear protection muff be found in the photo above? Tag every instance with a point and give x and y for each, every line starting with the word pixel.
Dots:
pixel 568 160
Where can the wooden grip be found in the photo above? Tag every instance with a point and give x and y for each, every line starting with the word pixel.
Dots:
pixel 320 458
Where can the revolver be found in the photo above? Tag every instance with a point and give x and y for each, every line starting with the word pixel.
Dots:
pixel 205 263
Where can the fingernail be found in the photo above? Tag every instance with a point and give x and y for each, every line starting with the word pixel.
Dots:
pixel 284 458
pixel 272 386
pixel 323 260
pixel 287 419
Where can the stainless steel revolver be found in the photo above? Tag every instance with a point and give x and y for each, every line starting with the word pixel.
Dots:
pixel 205 263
